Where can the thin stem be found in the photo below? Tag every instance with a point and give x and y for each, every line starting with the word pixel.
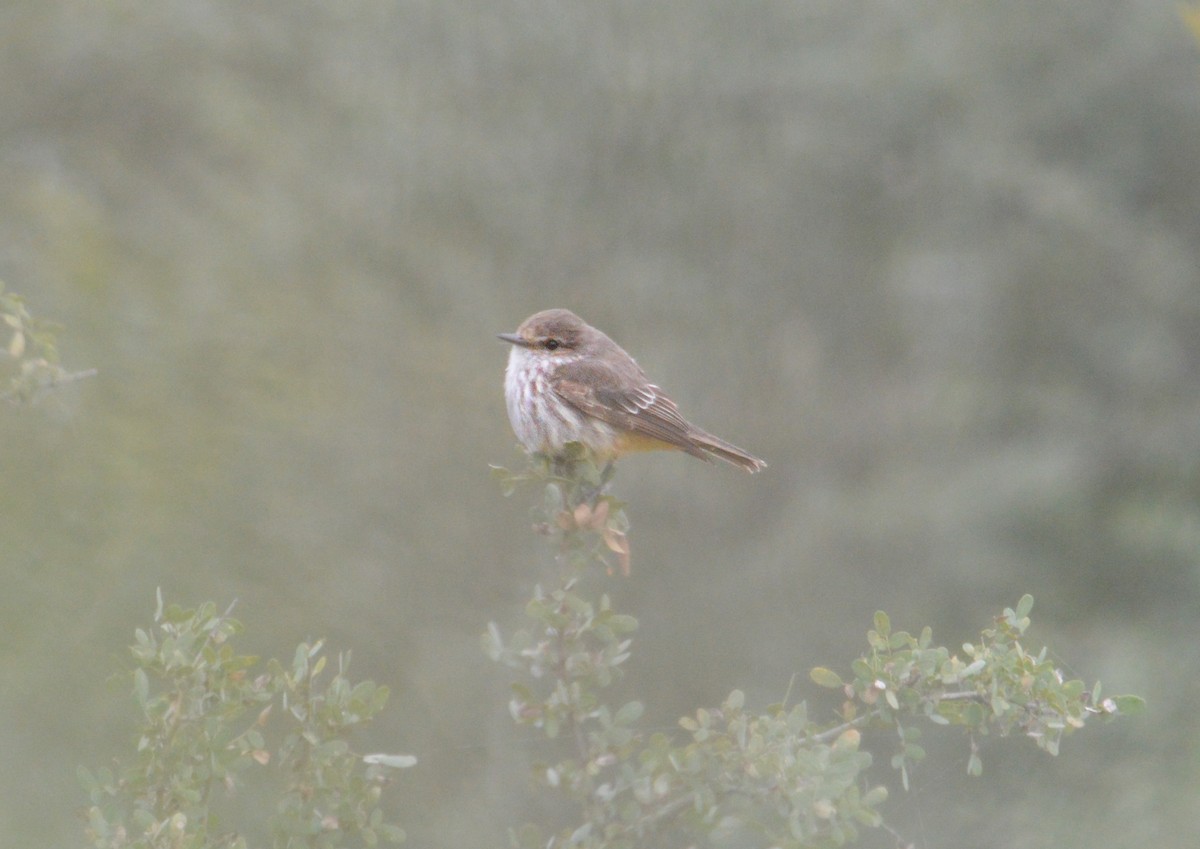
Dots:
pixel 836 731
pixel 960 696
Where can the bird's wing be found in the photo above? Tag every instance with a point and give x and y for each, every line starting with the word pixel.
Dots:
pixel 633 405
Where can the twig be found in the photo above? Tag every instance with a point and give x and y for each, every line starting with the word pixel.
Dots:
pixel 836 731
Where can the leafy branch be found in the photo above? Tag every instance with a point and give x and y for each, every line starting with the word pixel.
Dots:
pixel 205 721
pixel 777 773
pixel 998 687
pixel 31 350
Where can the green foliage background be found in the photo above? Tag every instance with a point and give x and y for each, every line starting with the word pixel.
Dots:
pixel 936 261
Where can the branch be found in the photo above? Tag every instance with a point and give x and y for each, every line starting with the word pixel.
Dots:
pixel 790 781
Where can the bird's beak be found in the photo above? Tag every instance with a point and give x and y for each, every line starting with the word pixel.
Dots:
pixel 513 338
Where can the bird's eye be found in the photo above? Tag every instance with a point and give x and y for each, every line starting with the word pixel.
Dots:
pixel 552 344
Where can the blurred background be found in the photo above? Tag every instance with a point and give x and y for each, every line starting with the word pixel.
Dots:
pixel 936 261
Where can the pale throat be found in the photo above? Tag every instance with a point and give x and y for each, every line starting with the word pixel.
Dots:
pixel 529 365
pixel 541 421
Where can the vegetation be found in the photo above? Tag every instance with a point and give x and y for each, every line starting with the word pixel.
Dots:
pixel 32 368
pixel 779 772
pixel 206 721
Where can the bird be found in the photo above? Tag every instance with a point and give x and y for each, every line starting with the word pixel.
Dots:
pixel 567 381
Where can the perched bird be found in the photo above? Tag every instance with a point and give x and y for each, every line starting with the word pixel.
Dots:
pixel 568 382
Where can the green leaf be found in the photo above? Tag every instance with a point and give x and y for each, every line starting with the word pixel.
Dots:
pixel 629 713
pixel 621 623
pixel 875 796
pixel 141 687
pixel 1129 705
pixel 823 677
pixel 973 668
pixel 862 670
pixel 882 624
pixel 552 500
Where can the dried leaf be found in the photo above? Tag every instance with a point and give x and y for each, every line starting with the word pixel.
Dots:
pixel 619 543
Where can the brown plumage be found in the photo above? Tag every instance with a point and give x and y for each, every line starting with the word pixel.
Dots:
pixel 569 382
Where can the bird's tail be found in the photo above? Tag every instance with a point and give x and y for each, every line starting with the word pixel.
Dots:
pixel 713 446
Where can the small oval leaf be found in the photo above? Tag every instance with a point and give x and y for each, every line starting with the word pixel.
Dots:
pixel 825 677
